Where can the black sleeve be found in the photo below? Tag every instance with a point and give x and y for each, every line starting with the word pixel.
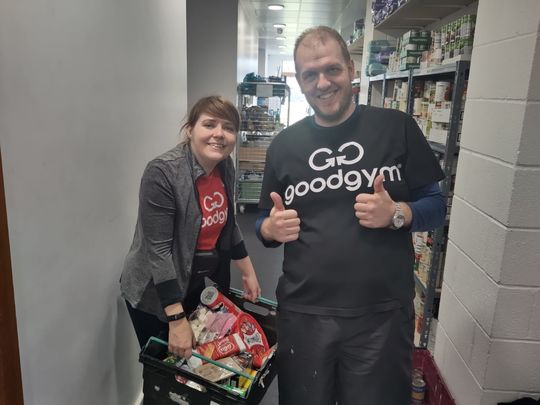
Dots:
pixel 421 166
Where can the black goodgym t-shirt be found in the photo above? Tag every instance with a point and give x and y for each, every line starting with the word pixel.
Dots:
pixel 338 267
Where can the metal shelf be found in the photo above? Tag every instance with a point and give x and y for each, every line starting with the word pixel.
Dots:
pixel 419 284
pixel 458 73
pixel 390 76
pixel 377 78
pixel 265 108
pixel 357 46
pixel 417 14
pixel 404 74
pixel 422 287
pixel 437 147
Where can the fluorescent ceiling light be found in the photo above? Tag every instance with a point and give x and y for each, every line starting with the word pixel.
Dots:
pixel 280 38
pixel 278 25
pixel 282 46
pixel 276 7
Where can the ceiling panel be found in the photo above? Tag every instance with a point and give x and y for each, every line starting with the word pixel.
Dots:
pixel 298 15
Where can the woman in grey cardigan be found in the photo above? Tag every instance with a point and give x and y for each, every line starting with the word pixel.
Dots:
pixel 186 229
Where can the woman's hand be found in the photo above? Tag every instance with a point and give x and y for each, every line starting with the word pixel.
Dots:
pixel 181 338
pixel 252 290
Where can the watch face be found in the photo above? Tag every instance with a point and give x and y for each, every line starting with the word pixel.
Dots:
pixel 398 221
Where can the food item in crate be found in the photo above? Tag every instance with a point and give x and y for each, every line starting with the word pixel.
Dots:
pixel 253 337
pixel 214 373
pixel 174 360
pixel 243 382
pixel 213 299
pixel 189 383
pixel 197 321
pixel 224 347
pixel 208 325
pixel 245 326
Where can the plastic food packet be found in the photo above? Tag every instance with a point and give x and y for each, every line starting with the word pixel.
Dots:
pixel 197 320
pixel 224 347
pixel 243 382
pixel 253 337
pixel 214 373
pixel 189 383
pixel 217 325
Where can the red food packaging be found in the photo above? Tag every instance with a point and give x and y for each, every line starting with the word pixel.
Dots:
pixel 224 347
pixel 253 337
pixel 215 300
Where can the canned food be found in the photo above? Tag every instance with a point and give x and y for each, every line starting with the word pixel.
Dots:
pixel 418 390
pixel 213 299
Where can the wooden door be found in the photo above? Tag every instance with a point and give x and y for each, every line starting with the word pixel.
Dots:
pixel 10 369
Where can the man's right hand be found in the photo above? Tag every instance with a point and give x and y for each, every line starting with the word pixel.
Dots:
pixel 282 225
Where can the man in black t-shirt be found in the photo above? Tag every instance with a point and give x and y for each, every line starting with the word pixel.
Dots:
pixel 343 190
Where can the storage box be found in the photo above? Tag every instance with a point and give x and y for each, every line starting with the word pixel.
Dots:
pixel 165 384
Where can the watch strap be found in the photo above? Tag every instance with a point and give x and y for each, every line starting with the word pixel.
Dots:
pixel 176 317
pixel 398 213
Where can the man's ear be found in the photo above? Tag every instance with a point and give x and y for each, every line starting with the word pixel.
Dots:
pixel 350 66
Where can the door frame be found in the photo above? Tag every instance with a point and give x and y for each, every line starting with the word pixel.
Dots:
pixel 11 391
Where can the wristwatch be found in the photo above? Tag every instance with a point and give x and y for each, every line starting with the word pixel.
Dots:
pixel 398 220
pixel 176 317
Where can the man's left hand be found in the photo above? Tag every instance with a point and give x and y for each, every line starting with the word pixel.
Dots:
pixel 375 210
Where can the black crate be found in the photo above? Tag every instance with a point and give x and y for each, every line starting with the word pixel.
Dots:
pixel 160 386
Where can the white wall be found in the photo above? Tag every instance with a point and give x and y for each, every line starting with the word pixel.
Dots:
pixel 488 338
pixel 89 92
pixel 248 42
pixel 212 48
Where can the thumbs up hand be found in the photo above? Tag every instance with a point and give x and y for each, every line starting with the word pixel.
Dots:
pixel 375 210
pixel 282 225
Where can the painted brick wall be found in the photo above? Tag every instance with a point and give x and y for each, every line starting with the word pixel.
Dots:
pixel 488 339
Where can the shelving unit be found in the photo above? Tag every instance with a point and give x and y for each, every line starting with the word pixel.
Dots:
pixel 416 14
pixel 264 109
pixel 357 46
pixel 456 73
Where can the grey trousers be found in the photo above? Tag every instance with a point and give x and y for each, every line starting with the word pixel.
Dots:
pixel 364 360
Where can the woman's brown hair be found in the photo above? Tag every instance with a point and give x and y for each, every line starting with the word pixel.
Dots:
pixel 217 107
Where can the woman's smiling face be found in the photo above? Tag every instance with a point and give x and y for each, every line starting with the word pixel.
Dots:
pixel 212 140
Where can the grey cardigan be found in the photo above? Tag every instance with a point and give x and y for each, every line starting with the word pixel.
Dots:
pixel 157 268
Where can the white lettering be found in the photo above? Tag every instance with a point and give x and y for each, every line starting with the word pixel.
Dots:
pixel 219 217
pixel 319 180
pixel 352 180
pixel 347 154
pixel 370 176
pixel 354 183
pixel 390 171
pixel 339 177
pixel 211 204
pixel 302 188
pixel 338 160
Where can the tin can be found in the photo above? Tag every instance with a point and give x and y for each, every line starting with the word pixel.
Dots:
pixel 440 90
pixel 418 390
pixel 213 299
